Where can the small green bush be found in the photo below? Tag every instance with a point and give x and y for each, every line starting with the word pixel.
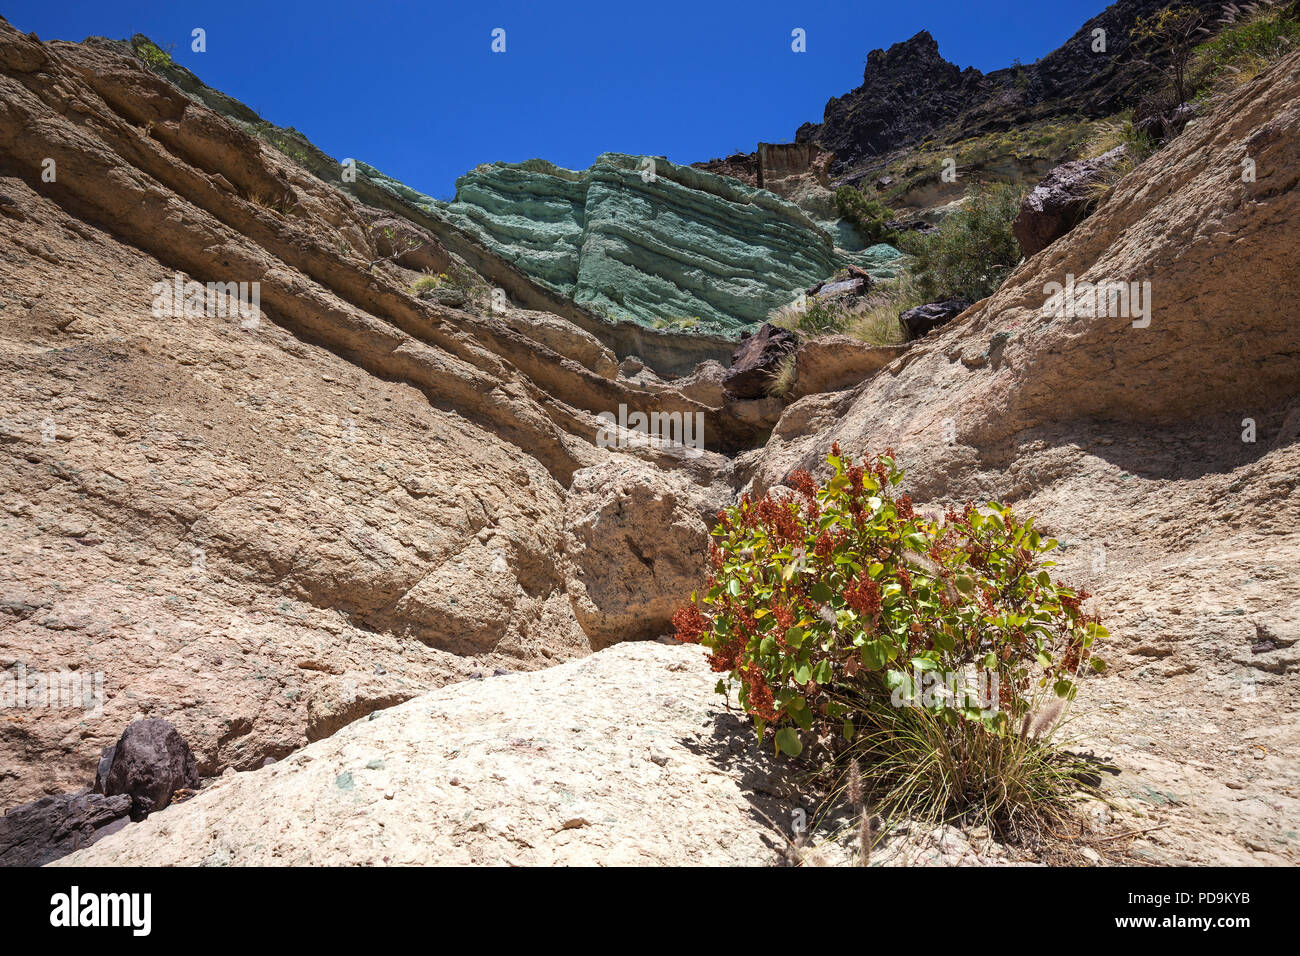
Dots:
pixel 152 56
pixel 429 282
pixel 1248 43
pixel 973 250
pixel 824 605
pixel 820 317
pixel 869 216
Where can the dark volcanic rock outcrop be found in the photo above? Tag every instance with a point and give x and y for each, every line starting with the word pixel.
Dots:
pixel 149 763
pixel 756 361
pixel 906 92
pixel 1061 201
pixel 910 92
pixel 54 826
pixel 924 319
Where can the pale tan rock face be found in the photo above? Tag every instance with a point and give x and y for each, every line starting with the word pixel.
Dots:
pixel 265 530
pixel 834 362
pixel 636 542
pixel 557 767
pixel 623 758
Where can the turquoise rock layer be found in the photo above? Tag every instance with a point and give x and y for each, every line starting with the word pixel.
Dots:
pixel 679 248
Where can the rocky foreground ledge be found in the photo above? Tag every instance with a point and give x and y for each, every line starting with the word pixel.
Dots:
pixel 626 757
pixel 562 766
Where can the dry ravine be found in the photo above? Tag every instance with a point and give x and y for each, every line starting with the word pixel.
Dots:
pixel 368 553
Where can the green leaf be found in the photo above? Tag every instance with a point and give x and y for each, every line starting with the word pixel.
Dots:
pixel 965 583
pixel 802 674
pixel 848 728
pixel 804 717
pixel 821 593
pixel 767 646
pixel 734 587
pixel 787 742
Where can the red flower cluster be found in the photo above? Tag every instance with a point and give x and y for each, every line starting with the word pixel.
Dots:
pixel 824 545
pixel 803 483
pixel 784 618
pixel 760 700
pixel 778 517
pixel 689 624
pixel 863 595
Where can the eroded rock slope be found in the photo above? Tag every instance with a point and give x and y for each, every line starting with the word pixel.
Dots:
pixel 265 527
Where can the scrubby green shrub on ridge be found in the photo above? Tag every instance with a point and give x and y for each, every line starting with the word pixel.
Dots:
pixel 870 217
pixel 973 250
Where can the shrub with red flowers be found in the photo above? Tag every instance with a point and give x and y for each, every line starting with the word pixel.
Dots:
pixel 824 597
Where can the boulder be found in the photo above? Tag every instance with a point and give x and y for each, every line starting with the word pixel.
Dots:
pixel 36 833
pixel 1164 125
pixel 911 225
pixel 636 544
pixel 835 362
pixel 1060 202
pixel 924 319
pixel 149 763
pixel 449 296
pixel 756 360
pixel 837 288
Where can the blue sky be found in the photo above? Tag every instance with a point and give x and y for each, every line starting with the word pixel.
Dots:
pixel 414 88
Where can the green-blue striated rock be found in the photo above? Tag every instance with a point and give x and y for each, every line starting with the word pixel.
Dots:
pixel 681 246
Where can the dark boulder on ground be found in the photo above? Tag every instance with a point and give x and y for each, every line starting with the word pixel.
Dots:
pixel 1061 201
pixel 925 318
pixel 1164 125
pixel 756 360
pixel 46 829
pixel 149 763
pixel 911 225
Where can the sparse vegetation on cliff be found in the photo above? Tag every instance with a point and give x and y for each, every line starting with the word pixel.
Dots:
pixel 974 249
pixel 151 55
pixel 870 217
pixel 1251 38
